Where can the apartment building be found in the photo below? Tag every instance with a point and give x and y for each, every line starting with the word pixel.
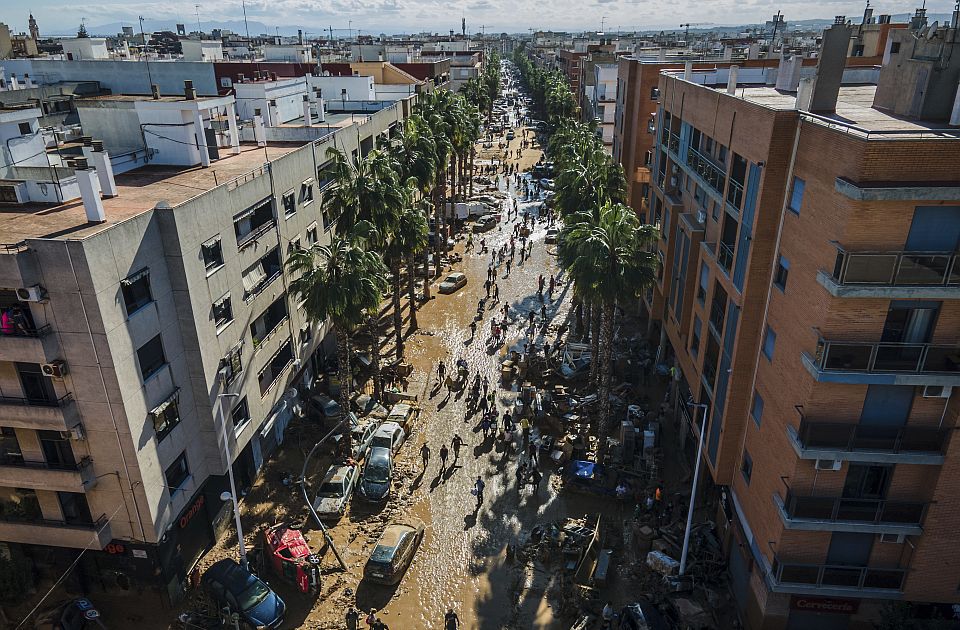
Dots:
pixel 144 315
pixel 809 295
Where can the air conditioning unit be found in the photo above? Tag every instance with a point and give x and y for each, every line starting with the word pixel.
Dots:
pixel 828 464
pixel 57 369
pixel 892 538
pixel 673 181
pixel 77 433
pixel 36 293
pixel 937 391
pixel 701 216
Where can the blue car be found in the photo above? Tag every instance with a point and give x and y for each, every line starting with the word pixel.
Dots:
pixel 231 585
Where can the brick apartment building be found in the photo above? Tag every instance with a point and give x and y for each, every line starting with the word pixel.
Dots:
pixel 809 296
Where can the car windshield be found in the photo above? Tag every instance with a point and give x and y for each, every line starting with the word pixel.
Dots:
pixel 382 440
pixel 382 554
pixel 331 489
pixel 378 472
pixel 255 593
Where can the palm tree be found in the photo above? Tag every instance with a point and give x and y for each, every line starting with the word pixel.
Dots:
pixel 409 238
pixel 340 282
pixel 608 256
pixel 433 113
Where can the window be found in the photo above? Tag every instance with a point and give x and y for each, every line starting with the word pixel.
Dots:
pixel 253 222
pixel 325 217
pixel 306 192
pixel 769 342
pixel 222 312
pixel 25 128
pixel 695 338
pixel 722 154
pixel 312 234
pixel 150 356
pixel 275 367
pixel 704 280
pixel 212 254
pixel 166 416
pixel 294 245
pixel 177 473
pixel 895 48
pixel 796 195
pixel 289 204
pixel 780 275
pixel 714 210
pixel 232 364
pixel 240 414
pixel 9 446
pixel 746 466
pixel 756 410
pixel 136 291
pixel 261 273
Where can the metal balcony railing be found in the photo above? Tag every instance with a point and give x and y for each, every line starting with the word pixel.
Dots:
pixel 33 402
pixel 706 169
pixel 845 510
pixel 896 269
pixel 30 331
pixel 26 463
pixel 31 519
pixel 255 233
pixel 735 193
pixel 717 315
pixel 725 255
pixel 837 576
pixel 881 356
pixel 860 437
pixel 674 144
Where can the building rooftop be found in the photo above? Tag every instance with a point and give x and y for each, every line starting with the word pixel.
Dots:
pixel 139 191
pixel 854 112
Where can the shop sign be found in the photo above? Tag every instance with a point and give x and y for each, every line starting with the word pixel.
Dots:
pixel 191 512
pixel 834 605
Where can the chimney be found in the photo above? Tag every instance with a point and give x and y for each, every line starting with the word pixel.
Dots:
pixel 101 161
pixel 727 52
pixel 662 54
pixel 155 91
pixel 300 36
pixel 258 131
pixel 804 92
pixel 14 84
pixel 307 116
pixel 189 92
pixel 89 193
pixel 830 65
pixel 273 76
pixel 687 70
pixel 788 75
pixel 321 110
pixel 732 79
pixel 27 81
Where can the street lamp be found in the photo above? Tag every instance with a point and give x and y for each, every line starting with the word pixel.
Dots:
pixel 232 494
pixel 696 479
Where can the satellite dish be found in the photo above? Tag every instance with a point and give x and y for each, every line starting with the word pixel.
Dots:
pixel 932 31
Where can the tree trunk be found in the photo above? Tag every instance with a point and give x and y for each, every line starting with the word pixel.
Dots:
pixel 579 310
pixel 473 155
pixel 412 292
pixel 594 342
pixel 397 315
pixel 343 373
pixel 373 324
pixel 443 217
pixel 453 176
pixel 437 228
pixel 606 367
pixel 426 274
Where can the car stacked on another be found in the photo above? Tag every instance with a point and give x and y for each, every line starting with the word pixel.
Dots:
pixel 335 491
pixel 390 435
pixel 394 552
pixel 231 585
pixel 453 282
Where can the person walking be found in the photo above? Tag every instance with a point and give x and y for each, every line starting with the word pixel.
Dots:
pixel 451 621
pixel 496 292
pixel 443 458
pixel 535 477
pixel 478 486
pixel 425 454
pixel 352 618
pixel 521 476
pixel 456 443
pixel 485 427
pixel 441 372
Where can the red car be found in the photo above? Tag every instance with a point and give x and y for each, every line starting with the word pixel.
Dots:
pixel 290 557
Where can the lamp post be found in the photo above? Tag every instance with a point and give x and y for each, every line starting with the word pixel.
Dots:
pixel 233 486
pixel 696 479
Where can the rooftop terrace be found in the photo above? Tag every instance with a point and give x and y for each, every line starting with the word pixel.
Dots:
pixel 139 191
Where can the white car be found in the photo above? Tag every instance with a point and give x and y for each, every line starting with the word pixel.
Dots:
pixel 335 491
pixel 362 436
pixel 403 414
pixel 453 282
pixel 552 235
pixel 390 435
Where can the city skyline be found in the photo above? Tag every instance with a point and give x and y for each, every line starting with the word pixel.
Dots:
pixel 398 16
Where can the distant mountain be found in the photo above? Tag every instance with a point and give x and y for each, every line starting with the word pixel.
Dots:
pixel 237 26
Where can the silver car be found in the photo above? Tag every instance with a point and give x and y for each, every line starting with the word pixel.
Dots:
pixel 334 492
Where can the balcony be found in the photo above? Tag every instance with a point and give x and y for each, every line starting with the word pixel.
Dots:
pixel 735 193
pixel 836 514
pixel 673 144
pixel 867 443
pixel 836 580
pixel 893 275
pixel 712 174
pixel 39 531
pixel 725 256
pixel 29 345
pixel 54 415
pixel 884 363
pixel 38 475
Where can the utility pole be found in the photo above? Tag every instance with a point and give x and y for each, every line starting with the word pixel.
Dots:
pixel 199 29
pixel 245 24
pixel 603 19
pixel 693 490
pixel 146 58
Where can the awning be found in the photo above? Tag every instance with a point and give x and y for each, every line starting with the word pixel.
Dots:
pixel 162 407
pixel 143 273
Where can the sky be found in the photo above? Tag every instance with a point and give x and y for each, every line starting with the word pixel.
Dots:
pixel 393 16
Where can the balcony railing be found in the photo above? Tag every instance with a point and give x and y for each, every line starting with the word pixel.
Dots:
pixel 255 233
pixel 845 510
pixel 26 463
pixel 30 331
pixel 13 517
pixel 880 356
pixel 897 269
pixel 717 315
pixel 725 255
pixel 705 168
pixel 32 402
pixel 674 144
pixel 735 193
pixel 837 576
pixel 859 437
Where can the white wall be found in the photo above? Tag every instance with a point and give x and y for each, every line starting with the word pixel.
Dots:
pixel 288 94
pixel 120 77
pixel 300 54
pixel 22 149
pixel 386 92
pixel 170 132
pixel 84 48
pixel 195 50
pixel 358 88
